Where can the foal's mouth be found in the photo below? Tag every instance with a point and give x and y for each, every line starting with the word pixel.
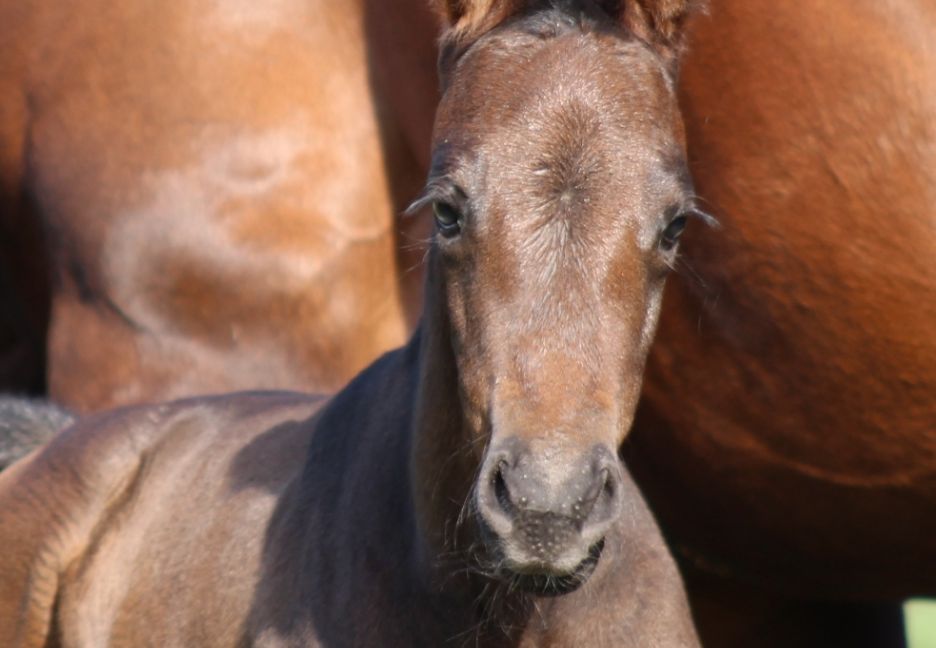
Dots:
pixel 539 578
pixel 542 583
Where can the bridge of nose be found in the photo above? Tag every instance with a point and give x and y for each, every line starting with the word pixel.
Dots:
pixel 561 421
pixel 568 388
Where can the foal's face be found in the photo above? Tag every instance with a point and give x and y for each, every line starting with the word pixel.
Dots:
pixel 559 189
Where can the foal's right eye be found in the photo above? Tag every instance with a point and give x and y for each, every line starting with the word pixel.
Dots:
pixel 447 218
pixel 670 236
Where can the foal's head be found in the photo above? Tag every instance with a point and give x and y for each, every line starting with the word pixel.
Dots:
pixel 559 188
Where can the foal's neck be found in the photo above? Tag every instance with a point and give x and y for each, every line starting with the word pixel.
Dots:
pixel 385 502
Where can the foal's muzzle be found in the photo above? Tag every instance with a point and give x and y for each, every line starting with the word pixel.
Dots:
pixel 547 514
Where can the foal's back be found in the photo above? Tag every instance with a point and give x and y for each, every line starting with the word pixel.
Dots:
pixel 132 520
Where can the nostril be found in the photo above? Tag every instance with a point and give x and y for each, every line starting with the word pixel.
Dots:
pixel 501 492
pixel 610 486
pixel 605 504
pixel 590 498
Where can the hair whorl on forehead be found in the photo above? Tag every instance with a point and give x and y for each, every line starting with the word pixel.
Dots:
pixel 659 23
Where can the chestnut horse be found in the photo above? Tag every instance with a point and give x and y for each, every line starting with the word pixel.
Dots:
pixel 463 489
pixel 199 194
pixel 787 435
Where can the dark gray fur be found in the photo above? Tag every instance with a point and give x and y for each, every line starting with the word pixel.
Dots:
pixel 26 424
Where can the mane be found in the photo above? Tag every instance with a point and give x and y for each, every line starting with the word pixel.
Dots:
pixel 557 17
pixel 542 19
pixel 658 23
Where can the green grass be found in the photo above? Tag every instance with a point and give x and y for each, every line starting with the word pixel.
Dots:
pixel 920 616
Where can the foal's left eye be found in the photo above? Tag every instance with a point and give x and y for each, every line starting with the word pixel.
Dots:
pixel 447 218
pixel 670 236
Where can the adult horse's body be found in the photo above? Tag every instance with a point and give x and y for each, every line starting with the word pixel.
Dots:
pixel 788 432
pixel 209 187
pixel 463 489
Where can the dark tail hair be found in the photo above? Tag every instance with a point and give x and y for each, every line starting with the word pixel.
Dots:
pixel 26 424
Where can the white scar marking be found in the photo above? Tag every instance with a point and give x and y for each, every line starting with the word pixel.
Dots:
pixel 187 211
pixel 261 18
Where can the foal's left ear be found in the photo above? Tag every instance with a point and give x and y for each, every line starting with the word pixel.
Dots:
pixel 659 23
pixel 468 19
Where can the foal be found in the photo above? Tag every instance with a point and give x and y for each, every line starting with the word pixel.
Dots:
pixel 464 489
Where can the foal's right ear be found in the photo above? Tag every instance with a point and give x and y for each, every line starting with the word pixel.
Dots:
pixel 467 20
